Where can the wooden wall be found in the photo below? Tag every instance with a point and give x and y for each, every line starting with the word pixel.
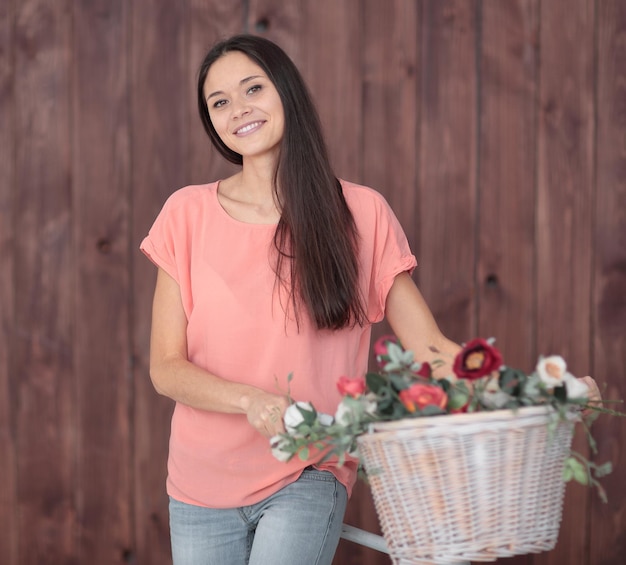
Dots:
pixel 496 129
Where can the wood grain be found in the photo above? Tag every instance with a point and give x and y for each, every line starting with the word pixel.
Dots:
pixel 101 217
pixel 564 218
pixel 607 524
pixel 160 72
pixel 448 160
pixel 509 65
pixel 43 380
pixel 495 129
pixel 208 22
pixel 508 62
pixel 9 529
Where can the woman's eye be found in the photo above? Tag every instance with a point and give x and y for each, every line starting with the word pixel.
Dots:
pixel 254 89
pixel 219 103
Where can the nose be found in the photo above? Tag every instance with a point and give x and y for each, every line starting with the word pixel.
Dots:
pixel 239 108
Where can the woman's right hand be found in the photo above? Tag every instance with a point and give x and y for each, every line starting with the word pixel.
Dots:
pixel 265 412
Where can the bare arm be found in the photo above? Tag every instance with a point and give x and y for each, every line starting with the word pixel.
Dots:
pixel 174 376
pixel 412 321
pixel 416 328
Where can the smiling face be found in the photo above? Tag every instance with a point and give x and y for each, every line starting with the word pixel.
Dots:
pixel 244 106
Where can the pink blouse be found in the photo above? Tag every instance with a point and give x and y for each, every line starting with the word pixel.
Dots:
pixel 237 329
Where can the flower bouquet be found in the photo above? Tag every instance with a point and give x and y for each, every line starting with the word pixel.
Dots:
pixel 467 467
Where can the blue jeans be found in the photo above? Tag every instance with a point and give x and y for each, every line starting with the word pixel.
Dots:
pixel 299 525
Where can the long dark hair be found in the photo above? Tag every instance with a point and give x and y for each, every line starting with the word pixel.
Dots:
pixel 316 237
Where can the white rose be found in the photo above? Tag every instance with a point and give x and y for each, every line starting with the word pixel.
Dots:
pixel 575 387
pixel 325 419
pixel 495 399
pixel 552 371
pixel 344 414
pixel 294 417
pixel 277 443
pixel 369 404
pixel 351 410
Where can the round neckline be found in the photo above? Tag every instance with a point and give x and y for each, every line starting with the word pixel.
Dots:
pixel 232 218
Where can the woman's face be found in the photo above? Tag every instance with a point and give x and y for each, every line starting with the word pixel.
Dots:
pixel 244 106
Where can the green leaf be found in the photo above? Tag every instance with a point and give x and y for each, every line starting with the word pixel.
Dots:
pixel 398 382
pixel 431 410
pixel 458 396
pixel 309 416
pixel 604 469
pixel 375 382
pixel 512 381
pixel 581 476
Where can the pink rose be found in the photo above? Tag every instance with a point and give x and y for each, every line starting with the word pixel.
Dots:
pixel 421 395
pixel 351 387
pixel 477 359
pixel 381 351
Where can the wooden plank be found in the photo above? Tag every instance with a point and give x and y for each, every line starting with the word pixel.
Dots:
pixel 323 39
pixel 506 244
pixel 208 23
pixel 389 119
pixel 8 484
pixel 43 378
pixel 390 107
pixel 565 219
pixel 101 173
pixel 447 164
pixel 165 157
pixel 506 240
pixel 331 43
pixel 608 522
pixel 280 22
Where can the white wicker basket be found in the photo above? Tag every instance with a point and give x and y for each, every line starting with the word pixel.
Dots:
pixel 468 486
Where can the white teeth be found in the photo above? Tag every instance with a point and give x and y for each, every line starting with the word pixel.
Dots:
pixel 249 127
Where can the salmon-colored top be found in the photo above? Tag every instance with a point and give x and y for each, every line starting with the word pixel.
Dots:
pixel 237 330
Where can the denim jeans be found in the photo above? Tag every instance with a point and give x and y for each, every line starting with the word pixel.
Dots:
pixel 299 525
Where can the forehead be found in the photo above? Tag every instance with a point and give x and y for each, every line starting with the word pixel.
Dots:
pixel 229 70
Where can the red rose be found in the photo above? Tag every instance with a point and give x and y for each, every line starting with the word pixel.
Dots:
pixel 425 371
pixel 381 351
pixel 421 395
pixel 477 359
pixel 351 387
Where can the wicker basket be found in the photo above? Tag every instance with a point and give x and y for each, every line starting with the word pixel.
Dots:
pixel 468 486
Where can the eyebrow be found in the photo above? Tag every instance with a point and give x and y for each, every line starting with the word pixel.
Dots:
pixel 241 83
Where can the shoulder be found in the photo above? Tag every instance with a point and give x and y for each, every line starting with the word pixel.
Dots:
pixel 189 197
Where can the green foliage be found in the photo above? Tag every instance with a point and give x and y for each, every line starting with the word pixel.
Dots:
pixel 405 389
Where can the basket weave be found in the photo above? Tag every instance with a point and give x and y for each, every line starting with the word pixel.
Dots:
pixel 468 486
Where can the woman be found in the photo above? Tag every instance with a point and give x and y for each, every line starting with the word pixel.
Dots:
pixel 279 270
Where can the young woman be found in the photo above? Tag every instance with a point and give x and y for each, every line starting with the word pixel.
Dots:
pixel 280 269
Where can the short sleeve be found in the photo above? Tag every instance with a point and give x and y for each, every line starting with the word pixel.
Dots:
pixel 385 250
pixel 166 244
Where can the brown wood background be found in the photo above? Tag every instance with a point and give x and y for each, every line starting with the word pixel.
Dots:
pixel 496 129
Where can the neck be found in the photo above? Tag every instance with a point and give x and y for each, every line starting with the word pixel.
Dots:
pixel 257 178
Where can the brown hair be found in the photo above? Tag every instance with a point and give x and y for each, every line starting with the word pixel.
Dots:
pixel 316 237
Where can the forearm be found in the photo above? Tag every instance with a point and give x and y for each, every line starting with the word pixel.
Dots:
pixel 174 376
pixel 182 381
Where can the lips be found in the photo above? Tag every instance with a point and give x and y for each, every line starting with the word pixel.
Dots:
pixel 247 128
